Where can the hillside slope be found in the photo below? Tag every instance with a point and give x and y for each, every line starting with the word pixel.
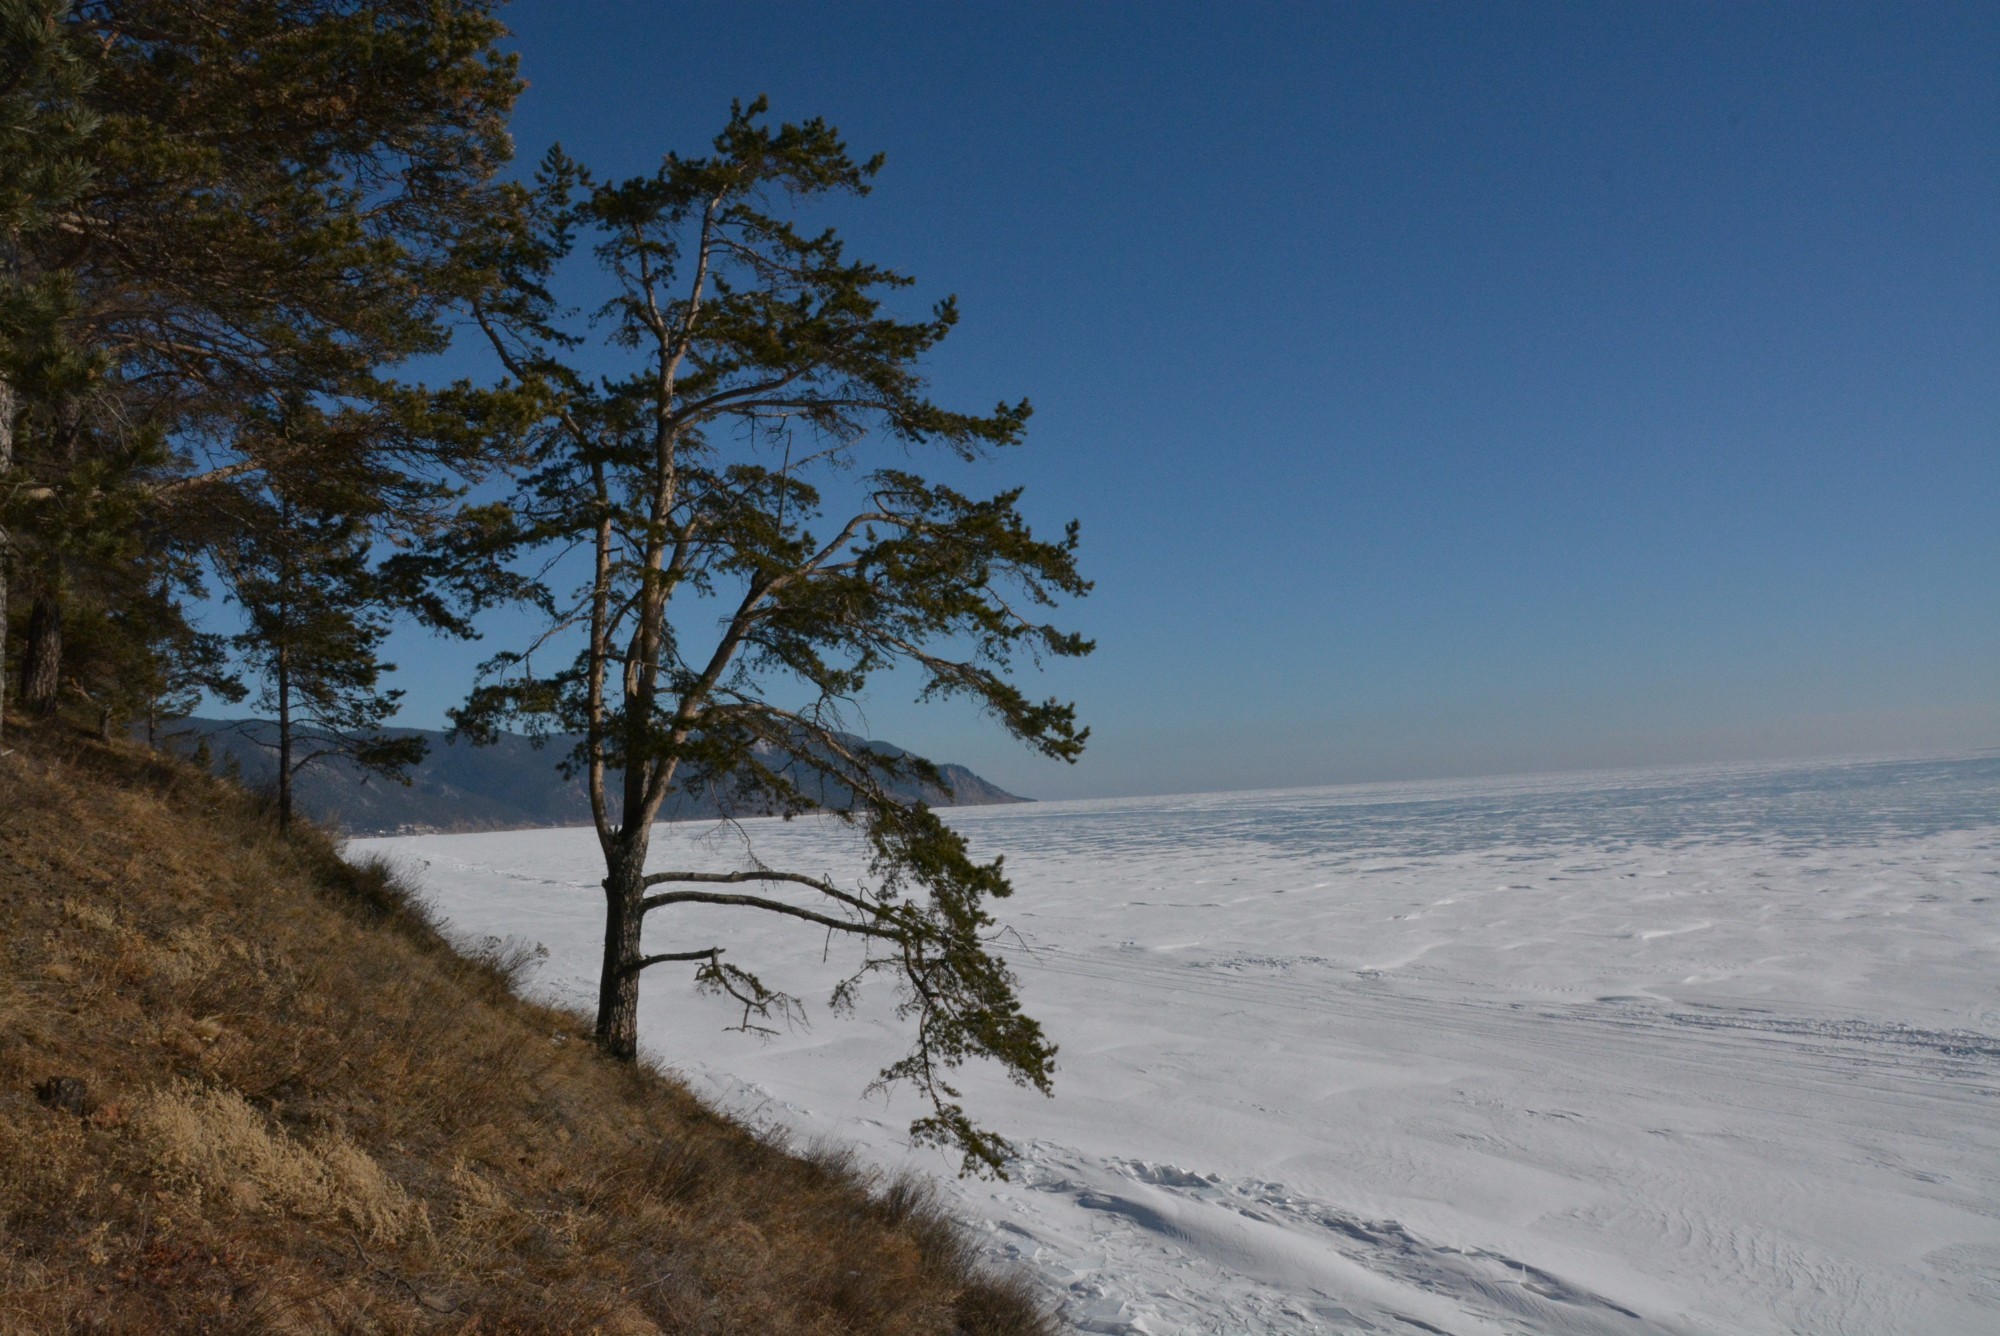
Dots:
pixel 245 1087
pixel 510 785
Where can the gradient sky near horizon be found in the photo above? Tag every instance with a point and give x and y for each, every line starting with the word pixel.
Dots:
pixel 1443 388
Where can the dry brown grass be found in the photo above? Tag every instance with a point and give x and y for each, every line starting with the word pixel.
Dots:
pixel 301 1111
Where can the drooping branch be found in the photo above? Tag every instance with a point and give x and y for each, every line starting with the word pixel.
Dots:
pixel 653 902
pixel 824 887
pixel 667 957
pixel 850 766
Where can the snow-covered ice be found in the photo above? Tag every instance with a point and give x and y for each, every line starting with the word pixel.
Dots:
pixel 1651 1052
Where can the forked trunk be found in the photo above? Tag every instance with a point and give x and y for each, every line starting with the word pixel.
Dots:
pixel 624 921
pixel 41 669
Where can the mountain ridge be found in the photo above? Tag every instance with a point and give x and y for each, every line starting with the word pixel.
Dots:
pixel 510 784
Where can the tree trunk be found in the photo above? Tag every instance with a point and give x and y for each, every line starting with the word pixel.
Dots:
pixel 41 673
pixel 284 686
pixel 3 633
pixel 618 983
pixel 41 668
pixel 6 542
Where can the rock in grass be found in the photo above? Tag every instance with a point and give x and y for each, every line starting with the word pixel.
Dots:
pixel 64 1092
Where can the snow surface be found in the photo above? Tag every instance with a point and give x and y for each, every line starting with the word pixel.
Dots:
pixel 1672 1051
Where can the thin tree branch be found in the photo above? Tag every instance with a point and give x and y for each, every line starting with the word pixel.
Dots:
pixel 774 906
pixel 666 957
pixel 761 874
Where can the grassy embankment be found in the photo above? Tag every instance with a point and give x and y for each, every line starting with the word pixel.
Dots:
pixel 245 1087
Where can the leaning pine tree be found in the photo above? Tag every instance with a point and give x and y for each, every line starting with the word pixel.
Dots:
pixel 723 620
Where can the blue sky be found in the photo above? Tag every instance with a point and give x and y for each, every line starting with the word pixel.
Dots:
pixel 1443 389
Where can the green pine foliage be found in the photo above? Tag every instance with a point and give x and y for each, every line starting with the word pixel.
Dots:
pixel 230 207
pixel 226 229
pixel 761 373
pixel 313 623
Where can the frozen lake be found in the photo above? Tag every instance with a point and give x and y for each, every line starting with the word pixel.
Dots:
pixel 1677 1051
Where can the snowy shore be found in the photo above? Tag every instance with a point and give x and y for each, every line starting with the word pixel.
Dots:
pixel 1684 1051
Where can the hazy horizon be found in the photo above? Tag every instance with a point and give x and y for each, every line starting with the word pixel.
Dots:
pixel 1750 761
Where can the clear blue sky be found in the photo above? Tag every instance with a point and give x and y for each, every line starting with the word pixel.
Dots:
pixel 1443 389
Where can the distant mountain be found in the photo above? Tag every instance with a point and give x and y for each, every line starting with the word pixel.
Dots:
pixel 511 785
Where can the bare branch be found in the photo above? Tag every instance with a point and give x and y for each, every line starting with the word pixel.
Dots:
pixel 774 906
pixel 667 957
pixel 825 888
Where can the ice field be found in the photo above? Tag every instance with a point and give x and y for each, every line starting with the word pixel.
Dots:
pixel 1648 1052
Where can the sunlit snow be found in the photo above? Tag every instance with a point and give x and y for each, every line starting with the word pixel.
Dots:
pixel 1672 1051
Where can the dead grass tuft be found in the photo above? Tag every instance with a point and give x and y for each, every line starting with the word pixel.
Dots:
pixel 246 1086
pixel 209 1141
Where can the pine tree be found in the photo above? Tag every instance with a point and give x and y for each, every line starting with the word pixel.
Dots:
pixel 45 130
pixel 314 620
pixel 761 368
pixel 273 192
pixel 138 659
